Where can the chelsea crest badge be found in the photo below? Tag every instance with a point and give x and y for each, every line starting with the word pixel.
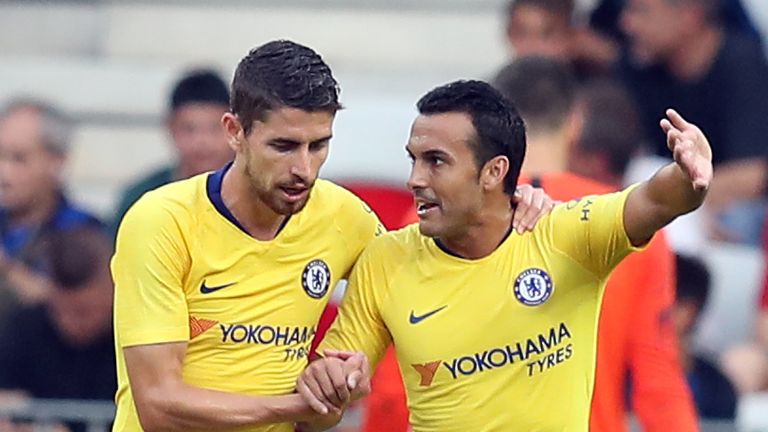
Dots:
pixel 533 287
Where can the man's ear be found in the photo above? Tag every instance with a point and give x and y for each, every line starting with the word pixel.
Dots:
pixel 234 131
pixel 494 172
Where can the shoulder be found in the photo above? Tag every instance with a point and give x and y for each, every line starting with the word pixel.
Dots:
pixel 69 215
pixel 332 197
pixel 566 186
pixel 175 201
pixel 395 246
pixel 347 210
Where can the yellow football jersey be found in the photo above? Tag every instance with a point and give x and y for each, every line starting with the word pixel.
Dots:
pixel 501 343
pixel 185 270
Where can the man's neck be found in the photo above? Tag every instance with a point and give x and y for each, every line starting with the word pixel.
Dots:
pixel 686 359
pixel 38 214
pixel 482 238
pixel 693 59
pixel 250 211
pixel 546 153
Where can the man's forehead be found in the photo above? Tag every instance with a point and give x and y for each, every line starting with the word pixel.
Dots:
pixel 297 123
pixel 440 130
pixel 20 124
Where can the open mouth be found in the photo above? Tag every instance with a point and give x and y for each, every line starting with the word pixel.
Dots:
pixel 423 209
pixel 294 194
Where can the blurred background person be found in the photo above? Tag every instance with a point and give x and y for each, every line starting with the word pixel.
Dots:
pixel 746 364
pixel 64 349
pixel 680 54
pixel 609 149
pixel 714 394
pixel 604 19
pixel 35 140
pixel 197 102
pixel 547 28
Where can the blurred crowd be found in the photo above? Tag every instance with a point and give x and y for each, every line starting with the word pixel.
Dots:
pixel 591 90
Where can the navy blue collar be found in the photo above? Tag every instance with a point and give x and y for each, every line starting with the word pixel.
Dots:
pixel 213 188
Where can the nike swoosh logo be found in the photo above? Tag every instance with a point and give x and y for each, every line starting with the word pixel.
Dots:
pixel 207 290
pixel 415 319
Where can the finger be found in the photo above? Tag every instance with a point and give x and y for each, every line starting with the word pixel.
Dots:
pixel 338 378
pixel 316 386
pixel 677 120
pixel 549 205
pixel 309 397
pixel 674 138
pixel 666 126
pixel 360 371
pixel 322 386
pixel 343 355
pixel 532 214
pixel 353 379
pixel 524 204
pixel 365 380
pixel 331 379
pixel 517 195
pixel 687 158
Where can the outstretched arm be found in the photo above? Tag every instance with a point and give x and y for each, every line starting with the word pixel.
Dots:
pixel 674 190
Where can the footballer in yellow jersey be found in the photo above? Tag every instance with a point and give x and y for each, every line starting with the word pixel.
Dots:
pixel 220 279
pixel 506 342
pixel 247 308
pixel 495 331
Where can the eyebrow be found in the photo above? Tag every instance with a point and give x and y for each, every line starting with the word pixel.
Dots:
pixel 288 141
pixel 437 153
pixel 429 153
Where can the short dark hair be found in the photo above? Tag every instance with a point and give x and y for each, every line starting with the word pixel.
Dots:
pixel 75 255
pixel 282 73
pixel 499 130
pixel 199 86
pixel 693 281
pixel 611 123
pixel 563 8
pixel 543 89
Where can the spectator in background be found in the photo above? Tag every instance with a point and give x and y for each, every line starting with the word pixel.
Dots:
pixel 65 349
pixel 604 19
pixel 545 28
pixel 746 365
pixel 197 102
pixel 539 28
pixel 34 144
pixel 634 336
pixel 714 395
pixel 607 146
pixel 681 55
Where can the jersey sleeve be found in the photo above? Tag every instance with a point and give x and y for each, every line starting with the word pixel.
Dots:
pixel 148 269
pixel 590 231
pixel 359 325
